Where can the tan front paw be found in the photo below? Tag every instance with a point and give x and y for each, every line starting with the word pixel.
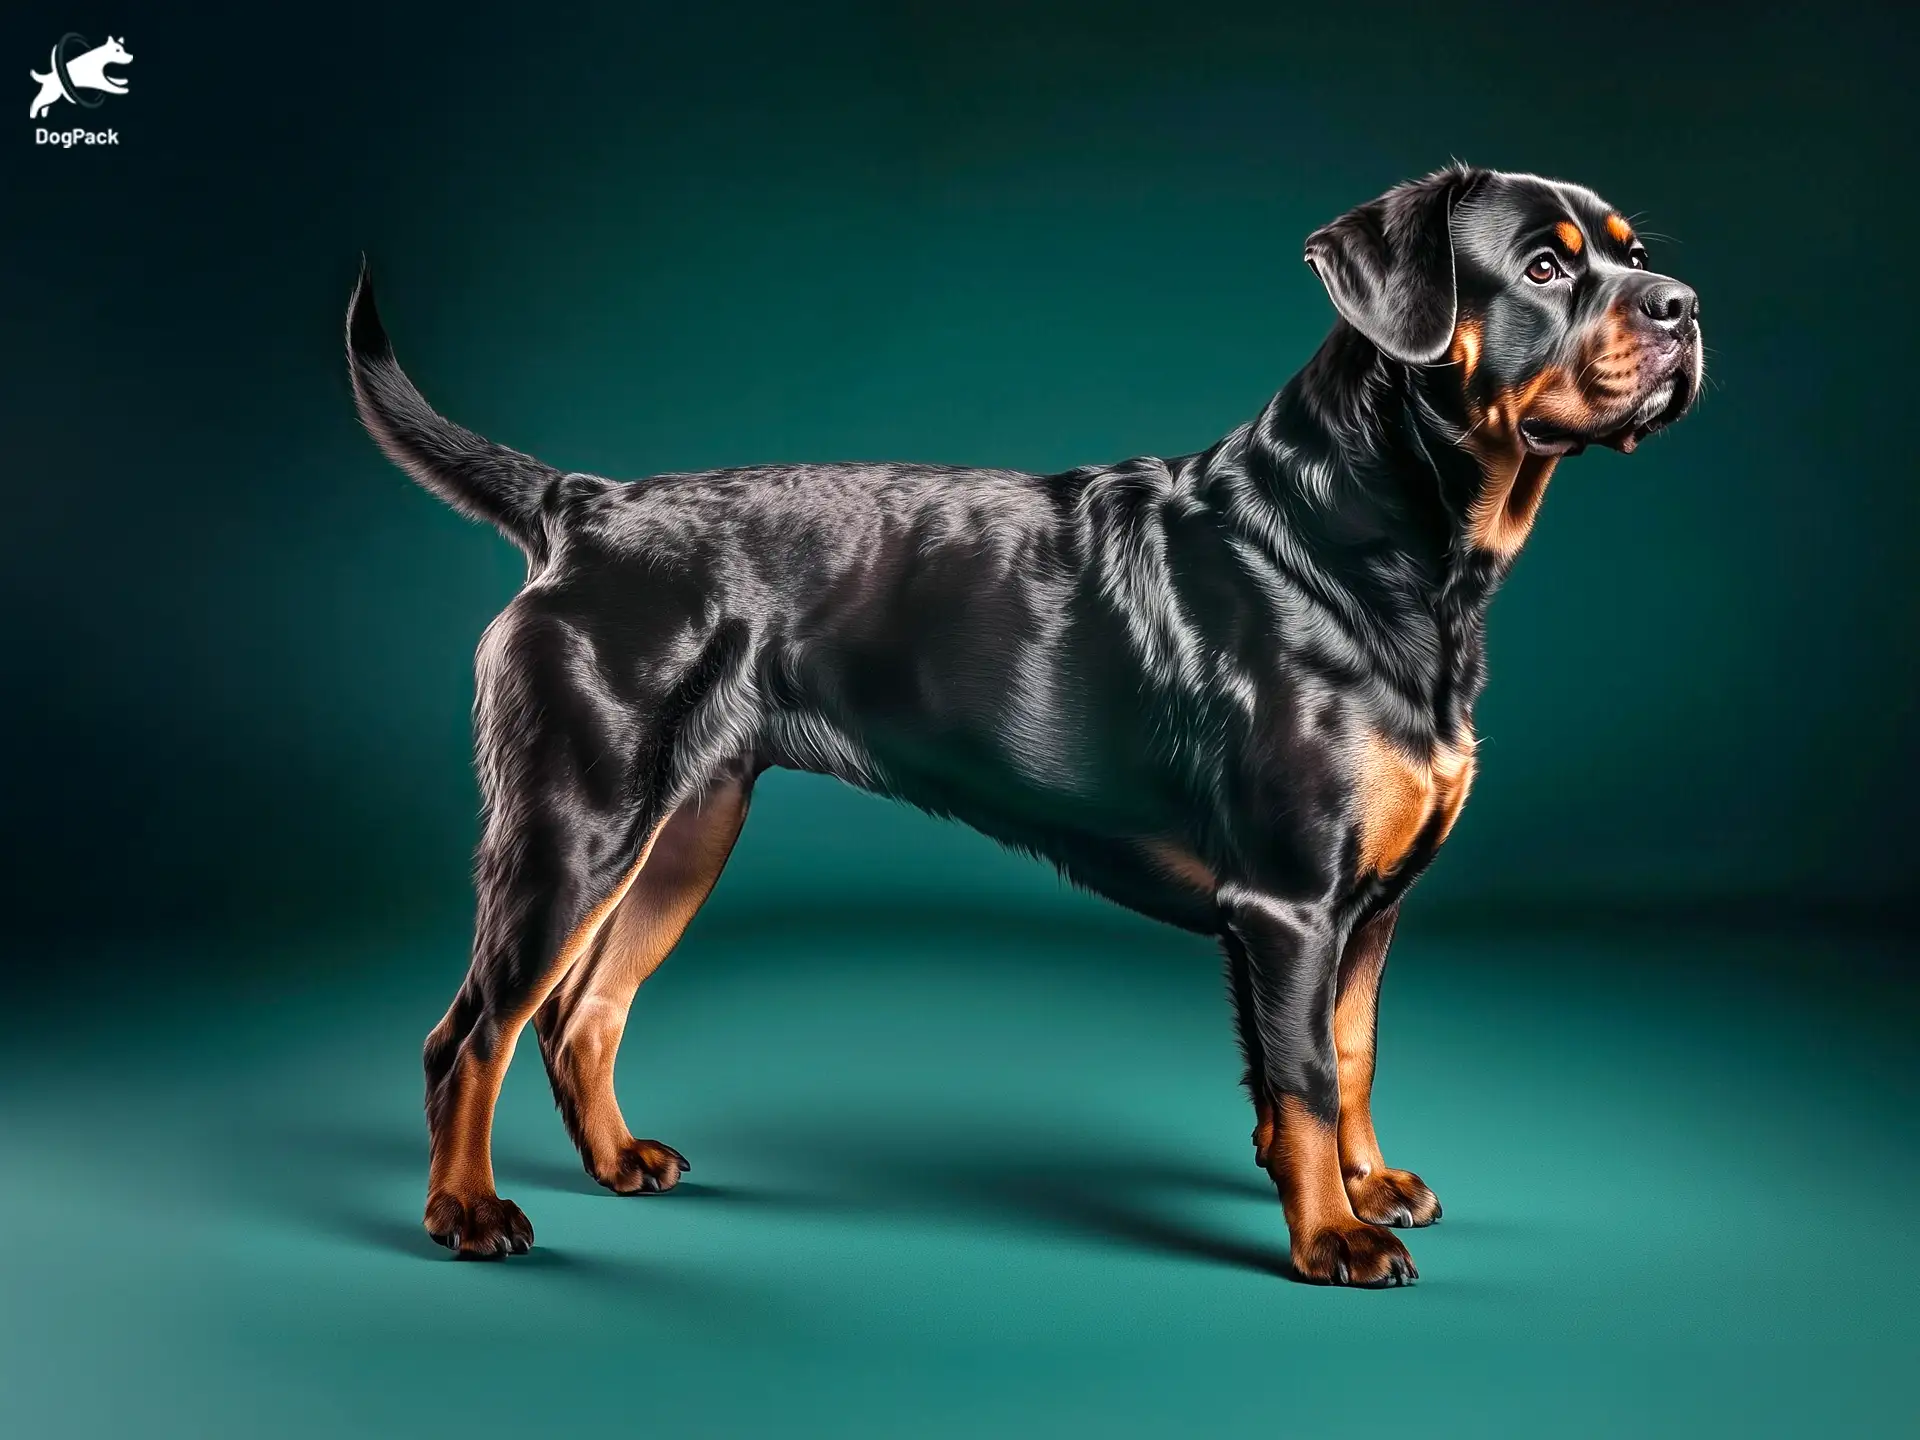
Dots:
pixel 1398 1198
pixel 642 1167
pixel 484 1227
pixel 1353 1253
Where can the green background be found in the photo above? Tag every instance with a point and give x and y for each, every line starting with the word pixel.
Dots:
pixel 968 1146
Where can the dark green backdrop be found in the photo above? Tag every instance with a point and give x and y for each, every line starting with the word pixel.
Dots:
pixel 638 238
pixel 633 238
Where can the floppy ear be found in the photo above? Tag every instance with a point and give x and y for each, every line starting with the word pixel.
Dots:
pixel 1388 266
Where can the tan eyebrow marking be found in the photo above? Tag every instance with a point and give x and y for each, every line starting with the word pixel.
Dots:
pixel 1570 235
pixel 1619 229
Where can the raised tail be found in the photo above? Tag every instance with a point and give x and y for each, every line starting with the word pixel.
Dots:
pixel 480 479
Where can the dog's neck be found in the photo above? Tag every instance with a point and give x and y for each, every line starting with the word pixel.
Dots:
pixel 1369 472
pixel 1364 454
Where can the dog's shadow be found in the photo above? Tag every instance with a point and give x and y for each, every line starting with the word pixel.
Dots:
pixel 1049 1184
pixel 1045 1183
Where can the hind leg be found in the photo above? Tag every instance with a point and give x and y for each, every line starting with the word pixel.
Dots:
pixel 581 1024
pixel 543 903
pixel 573 782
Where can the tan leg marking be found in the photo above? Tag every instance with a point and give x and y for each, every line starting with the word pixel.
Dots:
pixel 582 1024
pixel 1355 1017
pixel 1377 1192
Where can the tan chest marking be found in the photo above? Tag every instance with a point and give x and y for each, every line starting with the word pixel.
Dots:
pixel 1400 794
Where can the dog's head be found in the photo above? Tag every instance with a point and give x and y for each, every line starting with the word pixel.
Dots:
pixel 1538 296
pixel 114 52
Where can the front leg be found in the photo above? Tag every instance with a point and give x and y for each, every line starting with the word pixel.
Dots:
pixel 1284 960
pixel 1377 1191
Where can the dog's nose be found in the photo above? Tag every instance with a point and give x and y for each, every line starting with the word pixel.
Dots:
pixel 1669 304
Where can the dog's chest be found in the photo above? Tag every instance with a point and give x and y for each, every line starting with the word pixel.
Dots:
pixel 1407 802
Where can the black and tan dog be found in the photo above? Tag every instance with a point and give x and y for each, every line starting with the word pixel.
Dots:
pixel 1232 690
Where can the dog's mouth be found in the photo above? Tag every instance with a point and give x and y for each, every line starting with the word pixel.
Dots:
pixel 1664 402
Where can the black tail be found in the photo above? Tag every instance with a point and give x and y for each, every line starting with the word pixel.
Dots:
pixel 480 479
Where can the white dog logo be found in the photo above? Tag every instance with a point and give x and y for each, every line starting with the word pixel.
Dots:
pixel 69 77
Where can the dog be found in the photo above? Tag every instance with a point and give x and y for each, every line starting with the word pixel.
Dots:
pixel 87 71
pixel 1232 690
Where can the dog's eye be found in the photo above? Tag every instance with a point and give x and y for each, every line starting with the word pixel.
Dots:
pixel 1637 257
pixel 1544 269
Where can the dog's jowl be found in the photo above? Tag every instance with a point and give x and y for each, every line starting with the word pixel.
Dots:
pixel 1232 689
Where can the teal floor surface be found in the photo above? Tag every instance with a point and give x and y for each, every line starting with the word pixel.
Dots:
pixel 974 1173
